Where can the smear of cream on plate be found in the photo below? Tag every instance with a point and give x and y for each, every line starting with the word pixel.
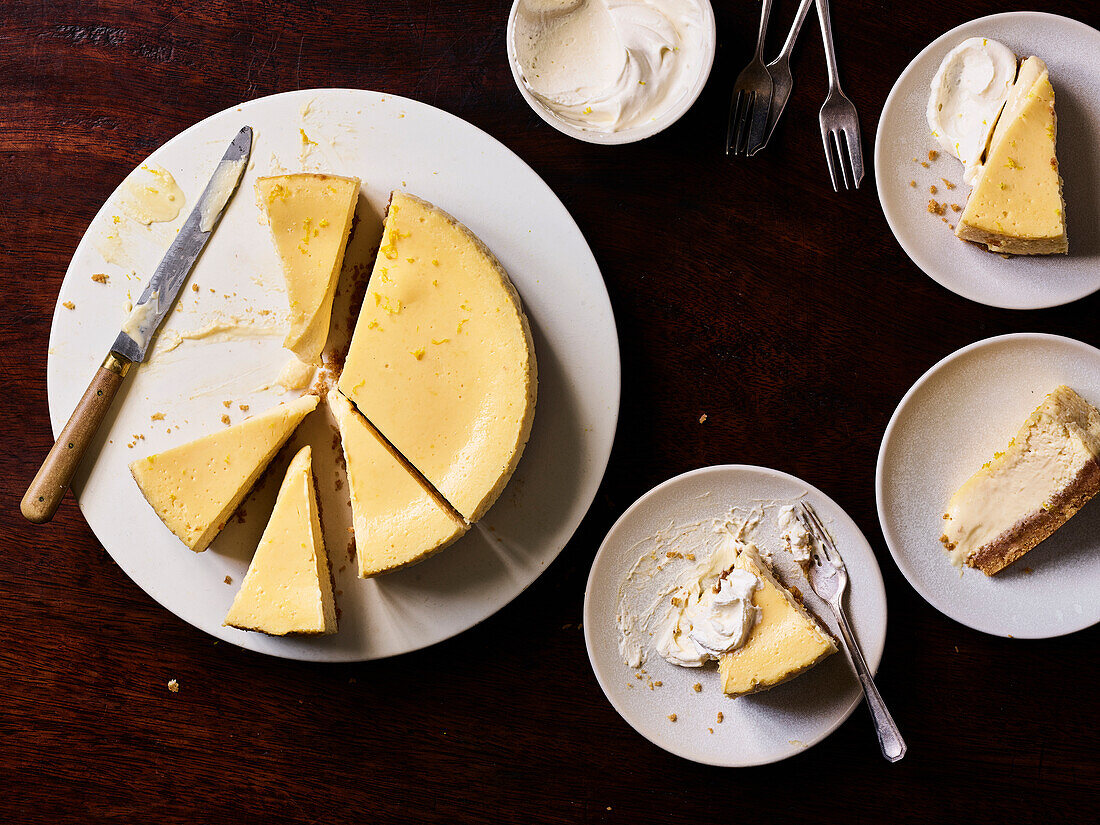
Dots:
pixel 151 195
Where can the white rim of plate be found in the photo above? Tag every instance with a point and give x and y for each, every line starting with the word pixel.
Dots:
pixel 888 534
pixel 880 175
pixel 874 659
pixel 627 135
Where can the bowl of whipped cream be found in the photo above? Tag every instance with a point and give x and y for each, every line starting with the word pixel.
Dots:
pixel 611 71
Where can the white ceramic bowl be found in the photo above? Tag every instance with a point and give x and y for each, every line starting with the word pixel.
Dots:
pixel 632 135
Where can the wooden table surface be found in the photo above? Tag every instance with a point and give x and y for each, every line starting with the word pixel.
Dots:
pixel 702 257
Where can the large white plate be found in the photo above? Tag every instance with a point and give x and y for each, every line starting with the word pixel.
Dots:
pixel 1069 49
pixel 756 729
pixel 388 142
pixel 955 417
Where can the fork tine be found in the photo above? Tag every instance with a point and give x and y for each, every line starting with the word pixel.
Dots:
pixel 843 156
pixel 759 126
pixel 826 540
pixel 826 136
pixel 735 119
pixel 743 123
pixel 855 155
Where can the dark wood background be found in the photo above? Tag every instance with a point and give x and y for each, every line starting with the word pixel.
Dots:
pixel 702 257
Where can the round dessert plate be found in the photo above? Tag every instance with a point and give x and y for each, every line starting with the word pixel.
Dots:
pixel 960 412
pixel 635 133
pixel 759 728
pixel 903 141
pixel 220 353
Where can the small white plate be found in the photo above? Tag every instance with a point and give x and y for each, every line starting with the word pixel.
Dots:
pixel 756 729
pixel 636 133
pixel 388 142
pixel 1070 49
pixel 955 417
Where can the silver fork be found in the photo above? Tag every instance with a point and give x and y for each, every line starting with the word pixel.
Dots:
pixel 752 94
pixel 780 70
pixel 829 580
pixel 838 116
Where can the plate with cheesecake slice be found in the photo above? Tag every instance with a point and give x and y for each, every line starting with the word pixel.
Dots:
pixel 384 399
pixel 983 160
pixel 702 628
pixel 986 484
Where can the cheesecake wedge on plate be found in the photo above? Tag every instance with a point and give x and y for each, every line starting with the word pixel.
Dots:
pixel 1016 205
pixel 1045 475
pixel 288 587
pixel 195 487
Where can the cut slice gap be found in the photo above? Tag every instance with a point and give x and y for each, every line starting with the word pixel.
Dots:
pixel 398 518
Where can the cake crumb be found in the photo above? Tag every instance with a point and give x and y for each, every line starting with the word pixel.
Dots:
pixel 956 207
pixel 229 580
pixel 658 683
pixel 933 154
pixel 173 686
pixel 697 687
pixel 157 416
pixel 1028 570
pixel 672 717
pixel 702 418
pixel 194 287
pixel 932 190
pixel 100 278
pixel 924 163
pixel 913 183
pixel 935 208
pixel 69 305
pixel 227 404
pixel 242 407
pixel 225 419
pixel 947 183
pixel 721 716
pixel 711 730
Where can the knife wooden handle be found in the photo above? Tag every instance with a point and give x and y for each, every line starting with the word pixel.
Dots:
pixel 52 480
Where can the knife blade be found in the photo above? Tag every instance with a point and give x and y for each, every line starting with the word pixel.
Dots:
pixel 132 344
pixel 160 293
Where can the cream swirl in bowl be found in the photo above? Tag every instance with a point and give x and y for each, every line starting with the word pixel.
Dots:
pixel 611 71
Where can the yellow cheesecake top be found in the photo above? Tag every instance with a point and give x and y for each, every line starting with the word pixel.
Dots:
pixel 397 520
pixel 195 487
pixel 310 217
pixel 1047 454
pixel 441 361
pixel 1016 205
pixel 785 641
pixel 288 587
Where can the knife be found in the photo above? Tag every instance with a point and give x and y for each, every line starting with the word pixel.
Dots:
pixel 132 344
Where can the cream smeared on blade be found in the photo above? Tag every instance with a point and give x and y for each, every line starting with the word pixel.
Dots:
pixel 221 187
pixel 141 321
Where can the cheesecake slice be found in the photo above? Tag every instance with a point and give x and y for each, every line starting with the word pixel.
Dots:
pixel 1016 205
pixel 1045 475
pixel 310 217
pixel 288 587
pixel 785 641
pixel 195 487
pixel 441 361
pixel 396 517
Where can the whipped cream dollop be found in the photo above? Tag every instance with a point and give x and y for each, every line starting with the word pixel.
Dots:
pixel 711 610
pixel 609 65
pixel 967 94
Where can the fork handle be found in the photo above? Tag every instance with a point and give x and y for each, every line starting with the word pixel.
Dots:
pixel 765 13
pixel 889 737
pixel 796 27
pixel 826 22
